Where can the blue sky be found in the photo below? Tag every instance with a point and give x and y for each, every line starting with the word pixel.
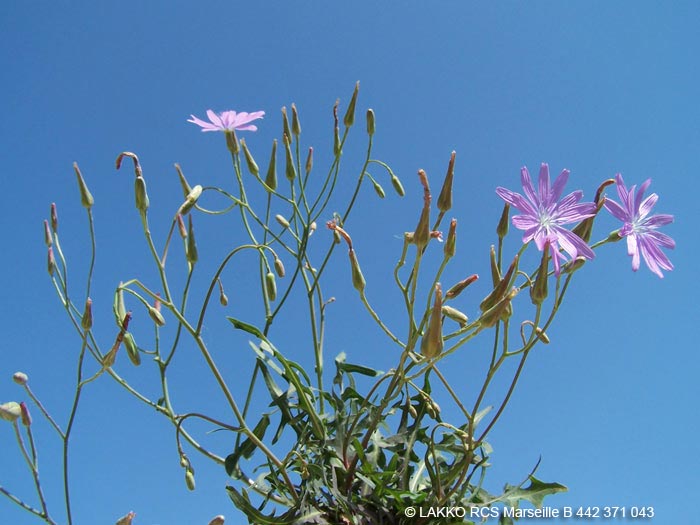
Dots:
pixel 595 87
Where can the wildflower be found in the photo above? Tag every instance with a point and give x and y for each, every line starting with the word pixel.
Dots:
pixel 640 228
pixel 544 215
pixel 228 121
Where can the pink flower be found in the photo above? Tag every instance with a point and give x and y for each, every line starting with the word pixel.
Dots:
pixel 228 121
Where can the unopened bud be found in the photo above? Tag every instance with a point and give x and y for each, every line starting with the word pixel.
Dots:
pixel 412 410
pixel 48 238
pixel 370 122
pixel 190 200
pixel 502 228
pixel 455 315
pixel 279 267
pixel 421 235
pixel 432 343
pixel 270 286
pixel 451 242
pixel 126 520
pixel 614 236
pixel 85 196
pixel 460 286
pixel 289 170
pixel 10 411
pixel 156 316
pixel 296 125
pixel 286 131
pixel 131 349
pixel 191 251
pixel 25 415
pixel 186 189
pixel 378 189
pixel 250 161
pixel 20 378
pixel 51 261
pixel 86 321
pixel 119 307
pixel 181 226
pixel 538 291
pixel 398 187
pixel 336 142
pixel 271 177
pixel 495 271
pixel 542 335
pixel 218 520
pixel 232 141
pixel 282 221
pixel 223 299
pixel 309 161
pixel 54 218
pixel 500 289
pixel 574 265
pixel 491 316
pixel 358 280
pixel 189 480
pixel 444 202
pixel 349 118
pixel 141 194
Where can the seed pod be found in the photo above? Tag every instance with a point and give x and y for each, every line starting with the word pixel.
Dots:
pixel 270 286
pixel 309 161
pixel 186 189
pixel 271 177
pixel 191 251
pixel 189 480
pixel 232 141
pixel 118 307
pixel 370 122
pixel 54 218
pixel 286 131
pixel 48 238
pixel 218 520
pixel 156 316
pixel 398 187
pixel 491 316
pixel 51 261
pixel 455 315
pixel 502 228
pixel 500 289
pixel 378 189
pixel 296 125
pixel 250 161
pixel 538 291
pixel 358 280
pixel 20 378
pixel 181 226
pixel 451 242
pixel 349 118
pixel 444 202
pixel 279 267
pixel 432 343
pixel 131 349
pixel 190 200
pixel 141 194
pixel 460 286
pixel 282 221
pixel 421 235
pixel 25 415
pixel 86 321
pixel 85 196
pixel 10 411
pixel 223 299
pixel 289 170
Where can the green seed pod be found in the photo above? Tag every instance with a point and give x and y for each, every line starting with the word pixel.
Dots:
pixel 141 194
pixel 378 189
pixel 282 221
pixel 500 290
pixel 455 315
pixel 270 286
pixel 460 286
pixel 192 255
pixel 10 411
pixel 271 177
pixel 20 378
pixel 190 200
pixel 349 118
pixel 538 291
pixel 286 131
pixel 370 122
pixel 398 187
pixel 495 271
pixel 86 321
pixel 296 125
pixel 497 312
pixel 223 299
pixel 432 343
pixel 309 161
pixel 186 189
pixel 358 280
pixel 289 170
pixel 48 237
pixel 502 228
pixel 85 196
pixel 118 306
pixel 250 161
pixel 232 141
pixel 156 316
pixel 279 267
pixel 444 202
pixel 189 480
pixel 451 242
pixel 25 415
pixel 131 349
pixel 51 262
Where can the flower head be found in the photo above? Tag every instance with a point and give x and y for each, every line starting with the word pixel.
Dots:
pixel 228 121
pixel 640 228
pixel 543 215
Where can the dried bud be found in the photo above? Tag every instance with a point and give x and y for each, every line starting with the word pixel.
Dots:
pixel 444 202
pixel 86 321
pixel 156 316
pixel 451 242
pixel 289 170
pixel 279 267
pixel 349 118
pixel 286 131
pixel 500 289
pixel 20 378
pixel 432 343
pixel 378 189
pixel 232 141
pixel 189 479
pixel 191 251
pixel 54 218
pixel 131 349
pixel 141 195
pixel 398 187
pixel 271 177
pixel 538 290
pixel 282 221
pixel 542 335
pixel 190 200
pixel 502 228
pixel 250 161
pixel 370 122
pixel 186 189
pixel 309 161
pixel 421 235
pixel 85 196
pixel 48 238
pixel 460 286
pixel 358 280
pixel 491 316
pixel 218 520
pixel 10 411
pixel 126 520
pixel 26 416
pixel 51 262
pixel 270 286
pixel 455 315
pixel 296 125
pixel 181 226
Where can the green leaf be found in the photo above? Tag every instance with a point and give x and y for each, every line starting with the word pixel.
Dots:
pixel 535 492
pixel 246 449
pixel 240 325
pixel 254 515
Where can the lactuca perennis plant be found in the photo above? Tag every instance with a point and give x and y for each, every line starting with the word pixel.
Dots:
pixel 340 443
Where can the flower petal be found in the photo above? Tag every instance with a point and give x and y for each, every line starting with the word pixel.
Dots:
pixel 528 187
pixel 646 206
pixel 215 119
pixel 559 183
pixel 544 184
pixel 617 211
pixel 516 200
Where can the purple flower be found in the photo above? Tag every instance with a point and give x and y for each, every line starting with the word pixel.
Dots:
pixel 544 215
pixel 639 228
pixel 228 121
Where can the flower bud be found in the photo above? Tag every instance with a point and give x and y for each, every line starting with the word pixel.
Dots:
pixel 542 335
pixel 218 520
pixel 223 299
pixel 349 118
pixel 186 189
pixel 500 289
pixel 20 378
pixel 451 242
pixel 156 316
pixel 51 261
pixel 25 415
pixel 538 290
pixel 501 309
pixel 282 221
pixel 398 187
pixel 189 479
pixel 412 410
pixel 289 170
pixel 54 218
pixel 250 161
pixel 279 267
pixel 10 411
pixel 48 238
pixel 232 141
pixel 502 228
pixel 271 177
pixel 421 235
pixel 141 195
pixel 574 265
pixel 378 189
pixel 181 227
pixel 86 321
pixel 432 343
pixel 286 131
pixel 85 196
pixel 358 280
pixel 118 307
pixel 126 520
pixel 190 200
pixel 309 162
pixel 296 125
pixel 455 315
pixel 460 286
pixel 370 122
pixel 131 349
pixel 444 202
pixel 336 131
pixel 191 251
pixel 270 286
pixel 495 271
pixel 614 236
